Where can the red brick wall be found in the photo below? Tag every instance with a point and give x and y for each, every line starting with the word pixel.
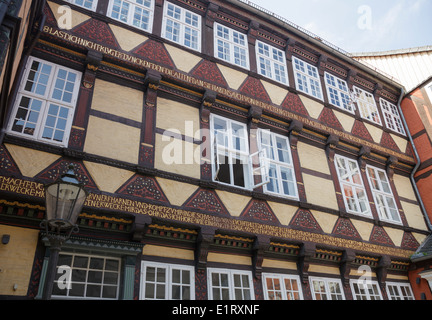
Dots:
pixel 419 288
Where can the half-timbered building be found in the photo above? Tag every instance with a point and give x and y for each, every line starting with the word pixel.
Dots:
pixel 228 154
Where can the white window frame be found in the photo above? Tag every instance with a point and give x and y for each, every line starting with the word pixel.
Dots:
pixel 381 193
pixel 130 15
pixel 338 93
pixel 230 44
pixel 46 100
pixel 354 199
pixel 392 117
pixel 274 62
pixel 86 283
pixel 284 292
pixel 367 106
pixel 327 288
pixel 271 156
pixel 230 151
pixel 232 289
pixel 307 78
pixel 168 283
pixel 366 290
pixel 77 3
pixel 183 25
pixel 400 295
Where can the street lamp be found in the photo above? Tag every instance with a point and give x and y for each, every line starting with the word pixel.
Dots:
pixel 64 200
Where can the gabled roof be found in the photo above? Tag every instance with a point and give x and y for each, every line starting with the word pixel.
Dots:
pixel 410 66
pixel 424 252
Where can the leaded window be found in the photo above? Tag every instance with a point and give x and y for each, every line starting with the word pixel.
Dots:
pixel 231 46
pixel 137 13
pixel 307 78
pixel 365 290
pixel 45 103
pixel 271 62
pixel 231 164
pixel 338 93
pixel 399 291
pixel 351 182
pixel 326 289
pixel 161 281
pixel 392 117
pixel 182 26
pixel 226 284
pixel 280 169
pixel 383 195
pixel 281 287
pixel 87 277
pixel 367 105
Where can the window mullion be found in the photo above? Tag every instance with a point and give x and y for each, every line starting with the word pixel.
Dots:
pixel 131 13
pixel 168 282
pixel 41 120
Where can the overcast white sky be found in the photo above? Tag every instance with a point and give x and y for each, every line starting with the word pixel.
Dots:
pixel 360 25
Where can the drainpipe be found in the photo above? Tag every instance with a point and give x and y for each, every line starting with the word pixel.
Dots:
pixel 428 221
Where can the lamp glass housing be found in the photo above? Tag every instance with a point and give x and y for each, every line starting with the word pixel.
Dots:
pixel 64 200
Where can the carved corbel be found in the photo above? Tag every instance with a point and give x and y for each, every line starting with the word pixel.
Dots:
pixel 363 155
pixel 204 241
pixel 390 165
pixel 294 130
pixel 253 32
pixel 289 50
pixel 151 83
pixel 382 268
pixel 93 61
pixel 331 145
pixel 307 252
pixel 211 14
pixel 208 100
pixel 261 244
pixel 352 74
pixel 346 265
pixel 140 226
pixel 322 62
pixel 255 114
pixel 377 89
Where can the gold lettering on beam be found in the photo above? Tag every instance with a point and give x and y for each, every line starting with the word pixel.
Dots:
pixel 116 204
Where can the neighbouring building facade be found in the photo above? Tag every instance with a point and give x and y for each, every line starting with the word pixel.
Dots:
pixel 228 155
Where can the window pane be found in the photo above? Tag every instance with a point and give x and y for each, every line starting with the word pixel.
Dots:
pixel 79 275
pixel 282 147
pixel 176 292
pixel 160 275
pixel 80 262
pixel 109 292
pixel 77 290
pixel 186 276
pixel 96 263
pixel 94 276
pixel 110 278
pixel 93 291
pixel 112 265
pixel 149 292
pixel 160 291
pixel 150 274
